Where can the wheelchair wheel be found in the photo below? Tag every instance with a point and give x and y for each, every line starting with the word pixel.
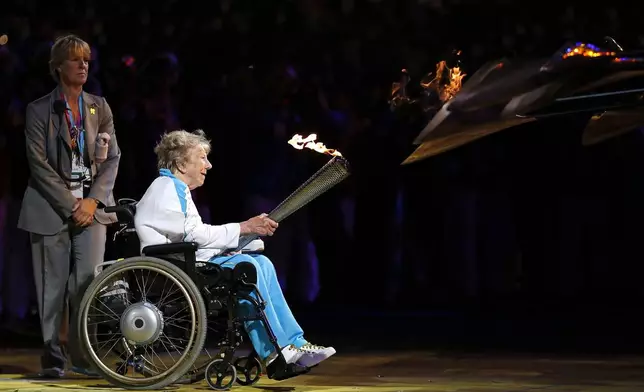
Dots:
pixel 249 370
pixel 220 375
pixel 163 310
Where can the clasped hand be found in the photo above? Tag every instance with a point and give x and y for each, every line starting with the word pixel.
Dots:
pixel 261 225
pixel 83 212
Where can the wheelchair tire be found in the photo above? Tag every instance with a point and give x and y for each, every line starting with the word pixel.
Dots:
pixel 193 350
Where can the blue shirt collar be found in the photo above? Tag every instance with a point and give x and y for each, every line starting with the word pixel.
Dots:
pixel 166 173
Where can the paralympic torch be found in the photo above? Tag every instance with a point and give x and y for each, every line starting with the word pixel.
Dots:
pixel 328 176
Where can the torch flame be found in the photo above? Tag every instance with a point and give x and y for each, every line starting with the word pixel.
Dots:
pixel 586 50
pixel 443 84
pixel 452 85
pixel 310 142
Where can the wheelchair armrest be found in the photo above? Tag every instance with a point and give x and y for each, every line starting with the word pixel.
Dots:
pixel 253 252
pixel 169 249
pixel 187 249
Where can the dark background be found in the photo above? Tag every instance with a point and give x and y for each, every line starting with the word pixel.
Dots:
pixel 523 239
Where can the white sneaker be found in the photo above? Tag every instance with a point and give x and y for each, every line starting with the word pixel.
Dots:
pixel 291 355
pixel 312 354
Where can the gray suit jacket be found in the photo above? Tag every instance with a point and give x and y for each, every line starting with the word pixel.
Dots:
pixel 48 202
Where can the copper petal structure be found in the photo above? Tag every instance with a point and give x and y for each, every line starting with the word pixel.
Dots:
pixel 608 84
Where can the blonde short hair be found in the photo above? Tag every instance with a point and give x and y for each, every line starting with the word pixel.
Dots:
pixel 174 148
pixel 65 47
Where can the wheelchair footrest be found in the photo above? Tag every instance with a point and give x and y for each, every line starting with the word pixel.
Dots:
pixel 282 371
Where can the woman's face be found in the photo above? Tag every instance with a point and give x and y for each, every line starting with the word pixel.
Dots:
pixel 193 173
pixel 73 71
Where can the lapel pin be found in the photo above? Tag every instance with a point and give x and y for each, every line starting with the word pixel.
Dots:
pixel 92 111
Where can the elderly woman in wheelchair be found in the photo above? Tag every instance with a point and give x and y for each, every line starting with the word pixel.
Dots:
pixel 186 278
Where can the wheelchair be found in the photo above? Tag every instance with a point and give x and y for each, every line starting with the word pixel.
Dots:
pixel 162 299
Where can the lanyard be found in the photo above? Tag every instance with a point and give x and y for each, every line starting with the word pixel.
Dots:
pixel 76 130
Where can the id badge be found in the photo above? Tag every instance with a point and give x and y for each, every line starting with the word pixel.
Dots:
pixel 77 185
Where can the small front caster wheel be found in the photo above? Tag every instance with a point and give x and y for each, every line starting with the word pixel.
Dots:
pixel 249 370
pixel 220 375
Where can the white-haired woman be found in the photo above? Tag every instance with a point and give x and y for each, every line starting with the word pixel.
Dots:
pixel 166 213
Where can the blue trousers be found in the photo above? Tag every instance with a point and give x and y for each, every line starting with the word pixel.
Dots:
pixel 279 315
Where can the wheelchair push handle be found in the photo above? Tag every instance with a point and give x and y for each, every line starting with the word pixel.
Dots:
pixel 111 209
pixel 124 207
pixel 119 210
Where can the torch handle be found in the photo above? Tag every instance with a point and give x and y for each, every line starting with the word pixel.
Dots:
pixel 247 239
pixel 329 175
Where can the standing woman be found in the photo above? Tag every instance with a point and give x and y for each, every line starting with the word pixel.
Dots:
pixel 73 158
